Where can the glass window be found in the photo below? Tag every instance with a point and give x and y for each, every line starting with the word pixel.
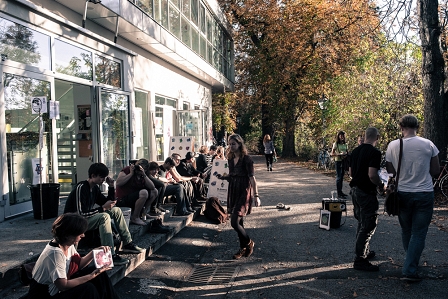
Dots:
pixel 141 125
pixel 186 35
pixel 185 106
pixel 160 100
pixel 145 5
pixel 202 20
pixel 115 131
pixel 175 22
pixel 107 71
pixel 203 47
pixel 159 133
pixel 210 53
pixel 195 40
pixel 73 61
pixel 195 12
pixel 209 26
pixel 157 15
pixel 21 44
pixel 172 103
pixel 176 3
pixel 186 8
pixel 164 13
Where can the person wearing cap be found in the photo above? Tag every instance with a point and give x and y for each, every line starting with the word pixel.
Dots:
pixel 339 152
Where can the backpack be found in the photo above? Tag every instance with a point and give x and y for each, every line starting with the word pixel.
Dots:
pixel 214 210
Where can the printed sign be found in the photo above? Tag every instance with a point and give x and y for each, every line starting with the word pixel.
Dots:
pixel 39 168
pixel 218 188
pixel 181 145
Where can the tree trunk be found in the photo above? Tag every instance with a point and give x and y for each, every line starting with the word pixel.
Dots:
pixel 289 149
pixel 433 76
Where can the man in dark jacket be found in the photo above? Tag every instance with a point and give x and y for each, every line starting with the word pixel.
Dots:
pixel 82 200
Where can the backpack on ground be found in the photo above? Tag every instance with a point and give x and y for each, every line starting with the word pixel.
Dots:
pixel 214 210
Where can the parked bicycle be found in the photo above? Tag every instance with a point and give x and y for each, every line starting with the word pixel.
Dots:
pixel 323 159
pixel 441 183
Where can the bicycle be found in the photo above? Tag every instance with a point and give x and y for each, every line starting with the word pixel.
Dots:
pixel 323 159
pixel 441 183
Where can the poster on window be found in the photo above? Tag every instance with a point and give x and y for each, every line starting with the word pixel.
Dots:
pixel 181 145
pixel 218 188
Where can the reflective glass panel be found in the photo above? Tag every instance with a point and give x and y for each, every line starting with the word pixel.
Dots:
pixel 107 71
pixel 186 32
pixel 175 22
pixel 22 134
pixel 73 61
pixel 115 131
pixel 21 44
pixel 141 124
pixel 195 40
pixel 145 5
pixel 195 12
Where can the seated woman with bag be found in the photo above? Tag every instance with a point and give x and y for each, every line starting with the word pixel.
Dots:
pixel 60 272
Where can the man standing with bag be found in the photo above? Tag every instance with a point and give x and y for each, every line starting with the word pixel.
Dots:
pixel 415 190
pixel 364 165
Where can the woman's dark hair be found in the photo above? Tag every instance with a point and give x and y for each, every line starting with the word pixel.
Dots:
pixel 67 226
pixel 170 161
pixel 98 169
pixel 153 165
pixel 337 137
pixel 143 163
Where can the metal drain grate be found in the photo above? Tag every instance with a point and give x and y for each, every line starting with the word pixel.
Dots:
pixel 213 274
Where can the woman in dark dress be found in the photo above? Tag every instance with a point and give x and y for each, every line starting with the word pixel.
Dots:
pixel 242 191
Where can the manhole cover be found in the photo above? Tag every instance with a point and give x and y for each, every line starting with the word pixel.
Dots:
pixel 213 274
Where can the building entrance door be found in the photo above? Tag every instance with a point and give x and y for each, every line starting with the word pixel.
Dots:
pixel 26 135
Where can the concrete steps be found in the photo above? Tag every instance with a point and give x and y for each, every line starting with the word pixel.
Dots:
pixel 10 286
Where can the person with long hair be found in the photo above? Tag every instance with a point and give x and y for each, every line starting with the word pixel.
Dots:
pixel 269 151
pixel 60 272
pixel 339 152
pixel 242 191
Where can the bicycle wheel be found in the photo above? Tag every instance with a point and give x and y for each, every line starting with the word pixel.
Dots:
pixel 444 185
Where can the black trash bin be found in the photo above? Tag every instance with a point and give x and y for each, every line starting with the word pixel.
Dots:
pixel 50 200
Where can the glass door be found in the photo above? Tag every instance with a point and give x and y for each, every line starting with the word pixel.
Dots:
pixel 190 123
pixel 113 112
pixel 28 137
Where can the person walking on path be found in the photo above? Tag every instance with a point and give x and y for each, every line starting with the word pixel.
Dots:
pixel 60 272
pixel 269 151
pixel 339 152
pixel 88 201
pixel 419 164
pixel 365 162
pixel 241 193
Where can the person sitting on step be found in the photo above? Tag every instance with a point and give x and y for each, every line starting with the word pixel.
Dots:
pixel 86 195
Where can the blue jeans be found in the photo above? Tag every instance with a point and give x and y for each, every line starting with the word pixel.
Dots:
pixel 339 176
pixel 365 210
pixel 416 210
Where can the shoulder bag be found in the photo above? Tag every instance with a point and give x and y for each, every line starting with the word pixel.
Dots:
pixel 392 202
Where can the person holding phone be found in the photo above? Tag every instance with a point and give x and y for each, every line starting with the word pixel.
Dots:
pixel 86 195
pixel 60 272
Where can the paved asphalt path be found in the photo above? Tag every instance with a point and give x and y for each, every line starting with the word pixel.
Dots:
pixel 293 258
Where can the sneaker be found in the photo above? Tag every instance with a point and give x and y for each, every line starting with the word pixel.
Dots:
pixel 364 265
pixel 342 196
pixel 240 253
pixel 190 209
pixel 411 278
pixel 156 212
pixel 132 248
pixel 118 260
pixel 370 255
